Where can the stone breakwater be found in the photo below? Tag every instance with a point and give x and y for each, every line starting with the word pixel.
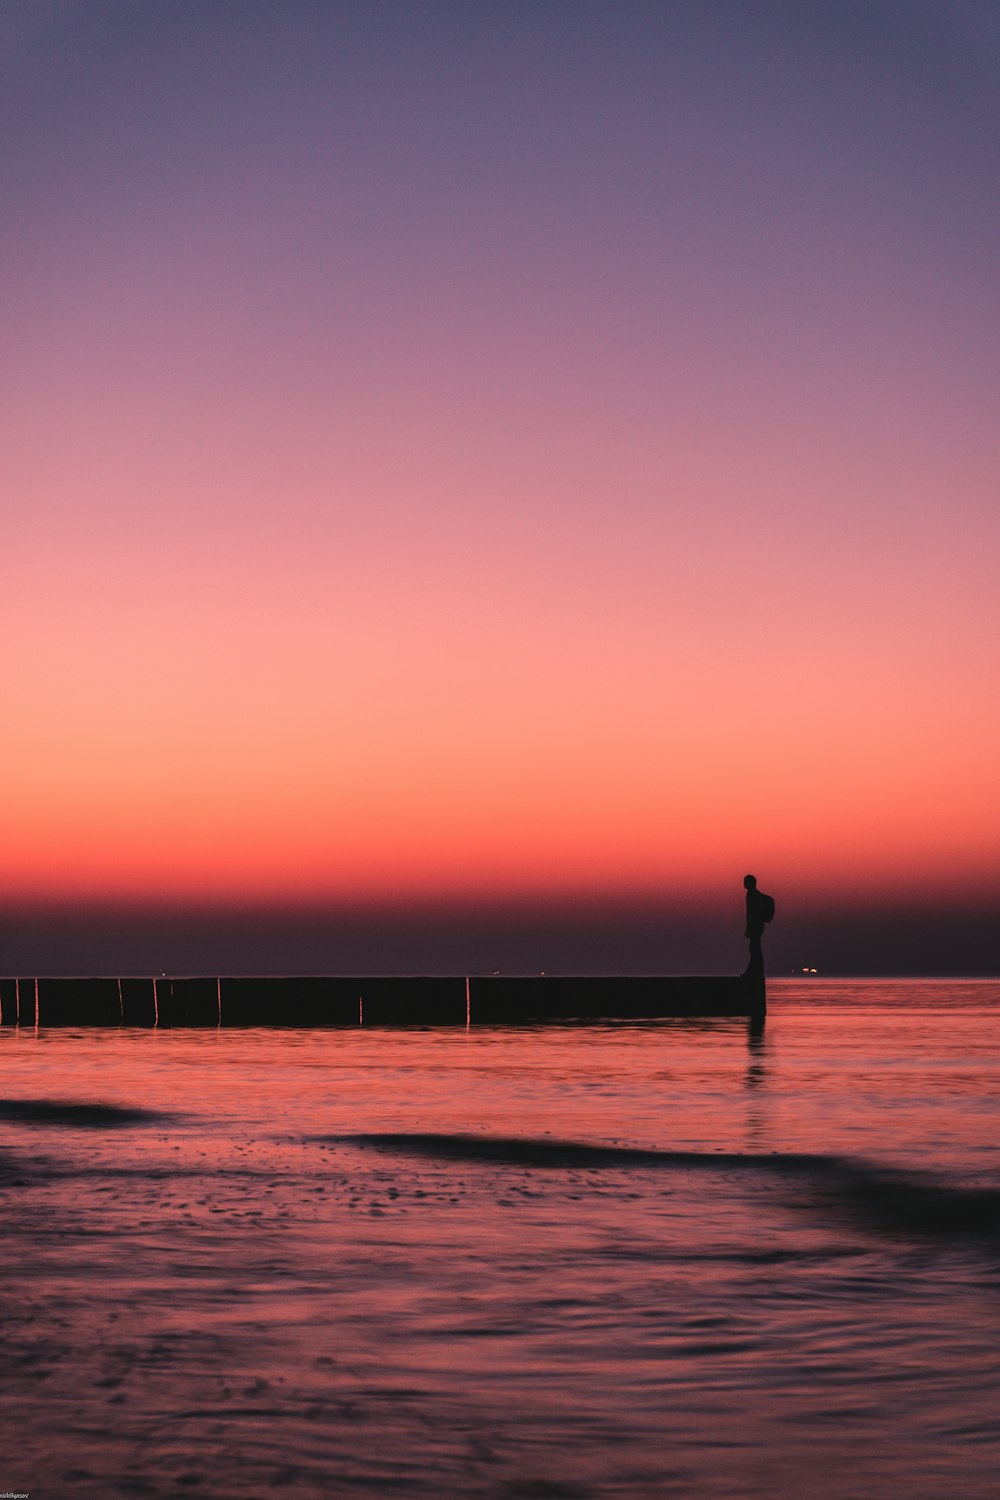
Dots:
pixel 365 1000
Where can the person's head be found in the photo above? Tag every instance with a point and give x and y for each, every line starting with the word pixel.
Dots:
pixel 750 881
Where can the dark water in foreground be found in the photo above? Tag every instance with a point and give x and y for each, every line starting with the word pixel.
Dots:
pixel 673 1259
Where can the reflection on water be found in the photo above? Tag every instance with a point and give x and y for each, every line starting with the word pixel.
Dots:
pixel 367 1262
pixel 756 1079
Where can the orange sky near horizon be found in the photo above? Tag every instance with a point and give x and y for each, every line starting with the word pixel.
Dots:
pixel 450 748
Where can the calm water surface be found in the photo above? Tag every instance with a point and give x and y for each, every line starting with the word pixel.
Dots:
pixel 368 1263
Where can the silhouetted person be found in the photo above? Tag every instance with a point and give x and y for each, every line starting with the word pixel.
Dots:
pixel 760 910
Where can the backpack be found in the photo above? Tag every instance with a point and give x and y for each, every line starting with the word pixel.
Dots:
pixel 765 907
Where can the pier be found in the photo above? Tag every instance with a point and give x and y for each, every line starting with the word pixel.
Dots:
pixel 366 1000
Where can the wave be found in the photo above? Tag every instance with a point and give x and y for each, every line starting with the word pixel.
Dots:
pixel 73 1112
pixel 887 1197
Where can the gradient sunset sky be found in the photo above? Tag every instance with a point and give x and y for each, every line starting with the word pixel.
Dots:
pixel 499 455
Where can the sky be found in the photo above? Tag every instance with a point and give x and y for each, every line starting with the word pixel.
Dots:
pixel 490 474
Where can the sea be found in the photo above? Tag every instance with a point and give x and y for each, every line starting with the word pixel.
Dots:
pixel 676 1258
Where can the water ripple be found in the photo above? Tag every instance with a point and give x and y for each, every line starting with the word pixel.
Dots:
pixel 888 1197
